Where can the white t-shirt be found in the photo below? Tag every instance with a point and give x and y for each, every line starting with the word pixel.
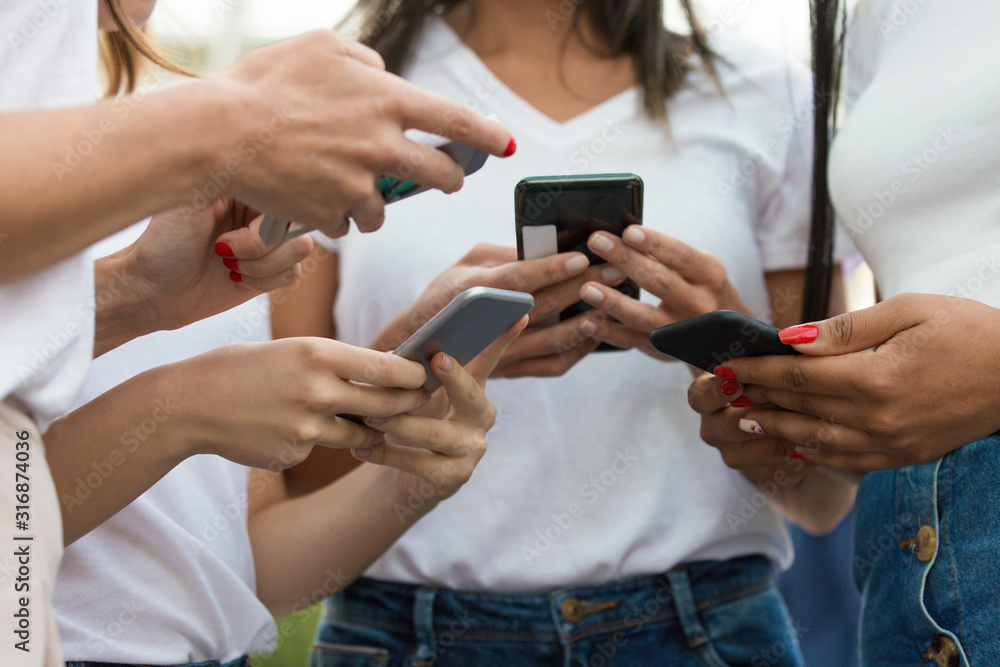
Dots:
pixel 170 578
pixel 601 473
pixel 914 172
pixel 48 55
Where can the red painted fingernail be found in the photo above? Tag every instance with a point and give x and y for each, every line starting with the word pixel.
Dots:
pixel 231 264
pixel 223 250
pixel 797 455
pixel 799 335
pixel 725 373
pixel 742 402
pixel 511 147
pixel 729 387
pixel 235 277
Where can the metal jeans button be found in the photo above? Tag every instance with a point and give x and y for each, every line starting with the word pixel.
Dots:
pixel 943 652
pixel 926 544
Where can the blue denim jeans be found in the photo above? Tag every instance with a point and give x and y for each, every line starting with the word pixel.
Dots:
pixel 242 662
pixel 706 613
pixel 926 547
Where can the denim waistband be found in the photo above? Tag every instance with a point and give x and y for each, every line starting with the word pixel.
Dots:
pixel 239 662
pixel 559 615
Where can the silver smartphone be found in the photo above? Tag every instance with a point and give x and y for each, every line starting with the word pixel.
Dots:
pixel 274 230
pixel 465 327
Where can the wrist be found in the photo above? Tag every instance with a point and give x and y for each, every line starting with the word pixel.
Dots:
pixel 122 306
pixel 167 415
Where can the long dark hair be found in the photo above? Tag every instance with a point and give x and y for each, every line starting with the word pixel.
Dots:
pixel 828 21
pixel 629 27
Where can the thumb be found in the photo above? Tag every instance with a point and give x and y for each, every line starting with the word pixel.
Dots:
pixel 243 242
pixel 852 332
pixel 481 367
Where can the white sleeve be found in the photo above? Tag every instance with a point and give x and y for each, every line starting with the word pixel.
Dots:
pixel 321 239
pixel 785 211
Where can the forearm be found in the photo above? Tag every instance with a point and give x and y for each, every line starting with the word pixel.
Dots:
pixel 332 536
pixel 110 451
pixel 121 313
pixel 817 503
pixel 74 176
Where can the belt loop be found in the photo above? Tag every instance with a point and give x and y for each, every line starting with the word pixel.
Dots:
pixel 687 611
pixel 423 626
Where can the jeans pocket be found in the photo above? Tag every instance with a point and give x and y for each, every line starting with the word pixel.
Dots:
pixel 752 631
pixel 343 655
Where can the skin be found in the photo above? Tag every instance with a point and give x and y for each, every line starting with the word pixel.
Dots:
pixel 688 281
pixel 240 134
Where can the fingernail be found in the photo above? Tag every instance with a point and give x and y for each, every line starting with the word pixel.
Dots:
pixel 235 277
pixel 592 295
pixel 612 274
pixel 799 335
pixel 751 426
pixel 742 402
pixel 634 234
pixel 798 455
pixel 601 243
pixel 725 373
pixel 588 327
pixel 577 263
pixel 730 387
pixel 446 363
pixel 362 452
pixel 231 264
pixel 223 250
pixel 511 147
pixel 375 420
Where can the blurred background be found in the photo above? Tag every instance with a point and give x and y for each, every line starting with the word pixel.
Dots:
pixel 207 35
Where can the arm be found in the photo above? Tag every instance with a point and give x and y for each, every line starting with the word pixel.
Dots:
pixel 337 531
pixel 814 497
pixel 241 133
pixel 142 428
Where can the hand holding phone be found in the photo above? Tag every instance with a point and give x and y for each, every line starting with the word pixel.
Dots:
pixel 709 340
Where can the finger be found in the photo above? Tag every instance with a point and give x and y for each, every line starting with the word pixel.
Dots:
pixel 439 115
pixel 421 463
pixel 690 263
pixel 368 400
pixel 558 297
pixel 648 273
pixel 345 434
pixel 807 432
pixel 487 360
pixel 427 166
pixel 855 331
pixel 435 435
pixel 533 275
pixel 361 53
pixel 280 258
pixel 709 394
pixel 554 365
pixel 466 394
pixel 557 339
pixel 631 312
pixel 368 213
pixel 359 364
pixel 830 376
pixel 757 453
pixel 829 408
pixel 243 243
pixel 852 461
pixel 604 330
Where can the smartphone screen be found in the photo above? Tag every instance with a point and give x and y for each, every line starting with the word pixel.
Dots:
pixel 555 214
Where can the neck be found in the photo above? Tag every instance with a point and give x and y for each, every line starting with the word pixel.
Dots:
pixel 541 28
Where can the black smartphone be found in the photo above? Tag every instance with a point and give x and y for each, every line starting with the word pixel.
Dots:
pixel 709 340
pixel 555 214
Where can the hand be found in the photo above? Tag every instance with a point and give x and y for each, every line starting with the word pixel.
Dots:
pixel 324 121
pixel 554 282
pixel 268 404
pixel 434 457
pixel 925 389
pixel 192 264
pixel 688 282
pixel 762 458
